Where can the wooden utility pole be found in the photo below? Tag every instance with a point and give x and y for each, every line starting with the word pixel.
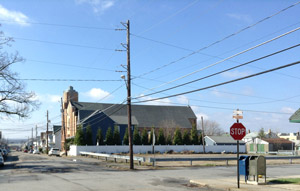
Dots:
pixel 128 85
pixel 47 134
pixel 31 138
pixel 129 97
pixel 63 127
pixel 36 141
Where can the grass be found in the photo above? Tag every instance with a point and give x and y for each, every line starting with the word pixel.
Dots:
pixel 286 181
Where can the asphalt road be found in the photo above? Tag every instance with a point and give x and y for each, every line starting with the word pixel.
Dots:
pixel 31 172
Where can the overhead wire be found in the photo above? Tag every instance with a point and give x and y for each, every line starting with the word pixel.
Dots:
pixel 231 109
pixel 235 103
pixel 220 72
pixel 169 17
pixel 228 58
pixel 58 25
pixel 224 83
pixel 64 44
pixel 70 65
pixel 225 38
pixel 67 80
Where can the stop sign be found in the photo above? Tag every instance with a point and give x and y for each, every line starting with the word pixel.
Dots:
pixel 237 131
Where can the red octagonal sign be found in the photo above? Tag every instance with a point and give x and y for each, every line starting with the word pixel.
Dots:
pixel 237 131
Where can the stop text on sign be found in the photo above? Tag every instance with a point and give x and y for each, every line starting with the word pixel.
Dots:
pixel 236 131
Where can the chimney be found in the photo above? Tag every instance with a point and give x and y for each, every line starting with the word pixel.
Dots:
pixel 249 131
pixel 269 131
pixel 69 95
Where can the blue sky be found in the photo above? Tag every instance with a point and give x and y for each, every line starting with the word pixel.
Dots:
pixel 75 39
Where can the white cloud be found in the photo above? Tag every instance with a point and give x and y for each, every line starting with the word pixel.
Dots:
pixel 288 110
pixel 13 16
pixel 97 93
pixel 182 100
pixel 199 114
pixel 47 98
pixel 54 98
pixel 235 74
pixel 98 6
pixel 241 17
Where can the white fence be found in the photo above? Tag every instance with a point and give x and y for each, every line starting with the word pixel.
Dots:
pixel 74 150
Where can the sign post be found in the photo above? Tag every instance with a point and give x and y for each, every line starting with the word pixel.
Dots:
pixel 238 132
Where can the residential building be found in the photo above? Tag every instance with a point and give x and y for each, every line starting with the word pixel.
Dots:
pixel 103 115
pixel 295 118
pixel 44 138
pixel 57 136
pixel 267 145
pixel 290 136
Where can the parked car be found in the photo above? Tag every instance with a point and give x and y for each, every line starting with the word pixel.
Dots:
pixel 36 152
pixel 5 152
pixel 1 152
pixel 54 151
pixel 1 161
pixel 25 150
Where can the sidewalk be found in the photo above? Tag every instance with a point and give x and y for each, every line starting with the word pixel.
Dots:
pixel 231 184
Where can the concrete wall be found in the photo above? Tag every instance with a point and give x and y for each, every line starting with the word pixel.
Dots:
pixel 74 150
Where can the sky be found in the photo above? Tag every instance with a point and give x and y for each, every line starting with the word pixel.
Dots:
pixel 171 42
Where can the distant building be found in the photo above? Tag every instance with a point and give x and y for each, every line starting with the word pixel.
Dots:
pixel 57 136
pixel 290 136
pixel 267 145
pixel 103 116
pixel 295 118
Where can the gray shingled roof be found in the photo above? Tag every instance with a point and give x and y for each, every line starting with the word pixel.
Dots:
pixel 56 128
pixel 142 115
pixel 295 118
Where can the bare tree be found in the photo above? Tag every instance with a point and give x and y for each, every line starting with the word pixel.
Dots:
pixel 211 128
pixel 14 100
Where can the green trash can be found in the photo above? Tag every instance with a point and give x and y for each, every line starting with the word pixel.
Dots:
pixel 257 167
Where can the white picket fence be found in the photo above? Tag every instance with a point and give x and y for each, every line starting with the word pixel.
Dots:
pixel 109 149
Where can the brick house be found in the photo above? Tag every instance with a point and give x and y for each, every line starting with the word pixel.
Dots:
pixel 104 115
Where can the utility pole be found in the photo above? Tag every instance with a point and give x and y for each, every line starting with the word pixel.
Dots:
pixel 63 126
pixel 128 85
pixel 31 138
pixel 36 137
pixel 202 134
pixel 47 134
pixel 129 96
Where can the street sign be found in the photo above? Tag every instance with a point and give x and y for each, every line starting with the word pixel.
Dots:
pixel 237 131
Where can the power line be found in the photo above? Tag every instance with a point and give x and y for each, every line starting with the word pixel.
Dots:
pixel 58 25
pixel 69 65
pixel 231 109
pixel 217 73
pixel 218 41
pixel 64 44
pixel 218 57
pixel 235 103
pixel 237 54
pixel 169 17
pixel 70 80
pixel 223 83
